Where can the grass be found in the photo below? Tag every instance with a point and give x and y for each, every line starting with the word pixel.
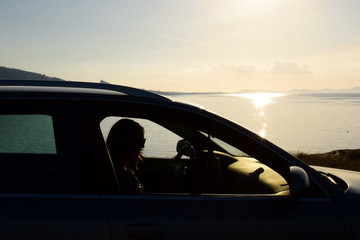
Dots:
pixel 344 159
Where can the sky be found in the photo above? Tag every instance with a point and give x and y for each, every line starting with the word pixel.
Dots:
pixel 187 45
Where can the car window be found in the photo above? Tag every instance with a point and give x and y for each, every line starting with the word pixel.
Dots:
pixel 160 142
pixel 198 163
pixel 29 158
pixel 27 134
pixel 225 146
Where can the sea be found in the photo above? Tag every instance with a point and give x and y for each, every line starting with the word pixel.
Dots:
pixel 307 122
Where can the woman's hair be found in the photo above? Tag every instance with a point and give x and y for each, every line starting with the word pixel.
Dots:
pixel 125 141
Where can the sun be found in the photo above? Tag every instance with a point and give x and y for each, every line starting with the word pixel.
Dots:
pixel 257 5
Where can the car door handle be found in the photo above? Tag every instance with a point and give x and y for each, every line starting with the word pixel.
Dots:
pixel 146 231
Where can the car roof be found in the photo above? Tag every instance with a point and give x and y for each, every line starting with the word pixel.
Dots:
pixel 76 87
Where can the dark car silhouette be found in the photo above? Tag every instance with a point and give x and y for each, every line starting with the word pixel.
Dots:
pixel 219 181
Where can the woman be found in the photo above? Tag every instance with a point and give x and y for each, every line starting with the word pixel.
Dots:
pixel 125 143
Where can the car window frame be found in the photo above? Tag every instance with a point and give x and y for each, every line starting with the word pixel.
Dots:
pixel 71 130
pixel 140 109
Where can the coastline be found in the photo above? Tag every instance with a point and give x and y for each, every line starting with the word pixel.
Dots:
pixel 348 159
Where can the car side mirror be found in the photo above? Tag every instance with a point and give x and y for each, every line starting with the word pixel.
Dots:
pixel 299 181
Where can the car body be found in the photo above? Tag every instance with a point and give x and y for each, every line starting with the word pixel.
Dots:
pixel 222 181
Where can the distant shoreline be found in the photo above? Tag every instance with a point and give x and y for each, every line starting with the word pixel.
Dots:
pixel 348 159
pixel 344 153
pixel 293 92
pixel 7 73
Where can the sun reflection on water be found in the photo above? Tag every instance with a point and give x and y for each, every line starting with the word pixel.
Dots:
pixel 260 100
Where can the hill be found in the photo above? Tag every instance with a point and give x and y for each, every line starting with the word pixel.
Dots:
pixel 16 74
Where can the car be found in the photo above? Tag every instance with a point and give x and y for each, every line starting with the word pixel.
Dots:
pixel 204 176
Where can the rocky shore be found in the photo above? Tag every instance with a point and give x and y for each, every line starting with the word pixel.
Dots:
pixel 345 159
pixel 344 153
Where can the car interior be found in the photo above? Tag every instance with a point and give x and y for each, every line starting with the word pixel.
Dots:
pixel 204 165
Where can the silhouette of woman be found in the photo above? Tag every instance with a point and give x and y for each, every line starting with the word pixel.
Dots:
pixel 125 143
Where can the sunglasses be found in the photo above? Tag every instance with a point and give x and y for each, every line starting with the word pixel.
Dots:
pixel 141 142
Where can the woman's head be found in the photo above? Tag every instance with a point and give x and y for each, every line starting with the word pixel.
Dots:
pixel 125 142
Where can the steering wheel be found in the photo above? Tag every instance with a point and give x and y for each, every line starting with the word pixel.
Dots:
pixel 183 148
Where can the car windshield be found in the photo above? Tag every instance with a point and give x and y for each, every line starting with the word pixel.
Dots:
pixel 226 146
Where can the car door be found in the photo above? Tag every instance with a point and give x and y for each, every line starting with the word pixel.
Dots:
pixel 207 211
pixel 222 217
pixel 41 191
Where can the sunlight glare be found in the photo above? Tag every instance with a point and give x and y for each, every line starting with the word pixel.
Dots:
pixel 262 132
pixel 259 101
pixel 256 4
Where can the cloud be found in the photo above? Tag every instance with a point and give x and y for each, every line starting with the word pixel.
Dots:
pixel 223 68
pixel 196 42
pixel 289 68
pixel 234 68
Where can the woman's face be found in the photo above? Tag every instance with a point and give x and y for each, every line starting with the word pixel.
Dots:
pixel 136 155
pixel 139 144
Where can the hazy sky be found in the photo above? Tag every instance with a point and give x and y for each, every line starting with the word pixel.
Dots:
pixel 186 45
